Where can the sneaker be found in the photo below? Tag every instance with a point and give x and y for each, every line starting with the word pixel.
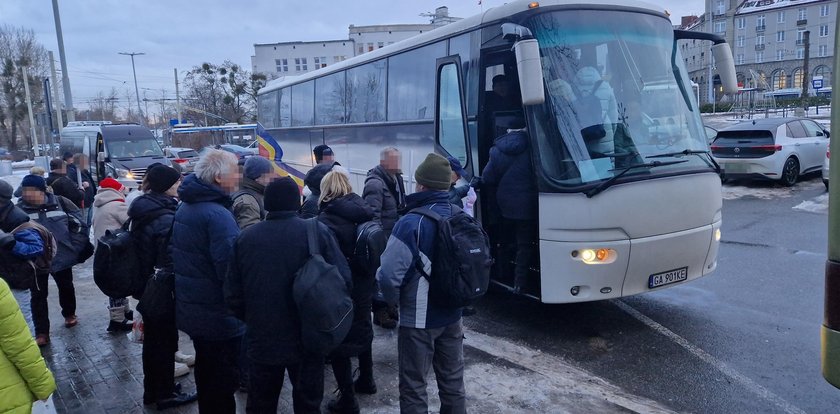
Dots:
pixel 71 321
pixel 176 400
pixel 123 326
pixel 42 339
pixel 364 386
pixel 382 318
pixel 184 358
pixel 181 369
pixel 344 405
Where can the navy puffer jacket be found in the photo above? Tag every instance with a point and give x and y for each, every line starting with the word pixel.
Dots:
pixel 509 170
pixel 202 241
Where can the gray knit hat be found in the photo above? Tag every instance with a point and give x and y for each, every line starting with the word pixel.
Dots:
pixel 6 191
pixel 434 172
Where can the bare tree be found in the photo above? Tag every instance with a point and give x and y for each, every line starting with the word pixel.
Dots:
pixel 18 49
pixel 224 90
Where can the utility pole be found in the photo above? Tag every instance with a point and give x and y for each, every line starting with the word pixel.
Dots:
pixel 830 329
pixel 177 96
pixel 65 78
pixel 54 81
pixel 31 117
pixel 806 38
pixel 710 88
pixel 136 89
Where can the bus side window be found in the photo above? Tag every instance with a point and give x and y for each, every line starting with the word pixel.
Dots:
pixel 451 135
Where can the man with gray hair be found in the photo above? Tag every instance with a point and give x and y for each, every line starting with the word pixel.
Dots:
pixel 203 234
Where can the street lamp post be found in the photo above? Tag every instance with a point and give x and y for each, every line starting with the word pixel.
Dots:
pixel 136 89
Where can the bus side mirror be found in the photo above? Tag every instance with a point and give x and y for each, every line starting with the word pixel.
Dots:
pixel 725 67
pixel 529 66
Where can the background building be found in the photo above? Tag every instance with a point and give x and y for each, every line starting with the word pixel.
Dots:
pixel 767 38
pixel 294 58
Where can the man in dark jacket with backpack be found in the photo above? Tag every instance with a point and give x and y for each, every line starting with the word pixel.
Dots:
pixel 429 334
pixel 259 291
pixel 510 173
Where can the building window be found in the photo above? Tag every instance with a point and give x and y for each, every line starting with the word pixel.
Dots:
pixel 800 53
pixel 779 79
pixel 797 78
pixel 800 37
pixel 720 7
pixel 780 54
pixel 824 10
pixel 282 65
pixel 780 37
pixel 803 13
pixel 740 41
pixel 380 45
pixel 780 17
pixel 742 22
pixel 759 57
pixel 370 47
pixel 740 59
pixel 337 59
pixel 361 49
pixel 300 64
pixel 823 51
pixel 760 21
pixel 824 30
pixel 759 40
pixel 320 62
pixel 720 27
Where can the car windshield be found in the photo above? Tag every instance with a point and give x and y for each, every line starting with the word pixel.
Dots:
pixel 133 147
pixel 617 94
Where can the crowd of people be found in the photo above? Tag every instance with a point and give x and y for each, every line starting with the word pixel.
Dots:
pixel 228 242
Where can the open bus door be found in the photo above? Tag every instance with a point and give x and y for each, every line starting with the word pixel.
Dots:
pixel 451 138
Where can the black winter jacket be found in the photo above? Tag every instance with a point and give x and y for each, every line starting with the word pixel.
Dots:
pixel 313 178
pixel 11 217
pixel 509 171
pixel 342 216
pixel 66 188
pixel 151 215
pixel 259 284
pixel 90 192
pixel 386 195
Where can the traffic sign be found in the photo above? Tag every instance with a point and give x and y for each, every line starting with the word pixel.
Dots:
pixel 817 83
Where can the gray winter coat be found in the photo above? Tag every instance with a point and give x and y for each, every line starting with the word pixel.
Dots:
pixel 110 211
pixel 386 195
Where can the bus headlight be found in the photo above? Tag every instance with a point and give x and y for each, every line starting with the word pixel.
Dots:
pixel 717 235
pixel 595 256
pixel 123 173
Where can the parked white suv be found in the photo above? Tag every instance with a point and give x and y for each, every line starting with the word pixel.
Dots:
pixel 773 148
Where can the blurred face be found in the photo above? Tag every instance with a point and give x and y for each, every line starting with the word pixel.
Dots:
pixel 454 177
pixel 392 162
pixel 33 196
pixel 173 191
pixel 267 178
pixel 327 159
pixel 229 180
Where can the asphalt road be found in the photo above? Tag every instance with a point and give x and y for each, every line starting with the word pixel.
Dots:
pixel 742 340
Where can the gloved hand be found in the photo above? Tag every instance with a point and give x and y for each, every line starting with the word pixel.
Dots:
pixel 475 182
pixel 7 240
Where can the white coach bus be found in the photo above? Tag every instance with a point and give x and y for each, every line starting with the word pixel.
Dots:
pixel 629 198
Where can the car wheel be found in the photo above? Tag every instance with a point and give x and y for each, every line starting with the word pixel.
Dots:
pixel 790 172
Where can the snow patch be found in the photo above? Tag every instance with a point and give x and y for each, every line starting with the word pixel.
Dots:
pixel 765 191
pixel 23 164
pixel 816 205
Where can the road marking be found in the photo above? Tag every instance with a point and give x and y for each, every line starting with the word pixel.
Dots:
pixel 563 375
pixel 711 360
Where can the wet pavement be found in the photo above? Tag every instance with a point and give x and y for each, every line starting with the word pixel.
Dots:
pixel 100 372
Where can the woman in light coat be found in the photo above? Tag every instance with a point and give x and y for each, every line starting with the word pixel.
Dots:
pixel 24 376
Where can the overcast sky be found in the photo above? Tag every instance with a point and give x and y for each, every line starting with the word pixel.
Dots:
pixel 184 33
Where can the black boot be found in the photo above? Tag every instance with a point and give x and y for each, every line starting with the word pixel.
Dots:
pixel 346 403
pixel 177 399
pixel 115 326
pixel 365 386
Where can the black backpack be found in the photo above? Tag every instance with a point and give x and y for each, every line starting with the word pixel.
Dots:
pixel 461 268
pixel 370 243
pixel 118 270
pixel 322 299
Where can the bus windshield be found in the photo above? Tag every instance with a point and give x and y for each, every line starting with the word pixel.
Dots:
pixel 133 147
pixel 617 94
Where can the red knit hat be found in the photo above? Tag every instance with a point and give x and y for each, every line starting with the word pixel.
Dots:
pixel 112 184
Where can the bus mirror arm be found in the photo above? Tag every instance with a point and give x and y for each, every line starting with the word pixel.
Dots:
pixel 514 32
pixel 722 54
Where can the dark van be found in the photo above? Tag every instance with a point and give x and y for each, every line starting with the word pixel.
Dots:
pixel 120 151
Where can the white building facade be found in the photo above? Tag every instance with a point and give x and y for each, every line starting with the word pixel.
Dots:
pixel 767 38
pixel 282 59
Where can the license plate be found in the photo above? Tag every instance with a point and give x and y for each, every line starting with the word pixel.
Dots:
pixel 666 278
pixel 735 168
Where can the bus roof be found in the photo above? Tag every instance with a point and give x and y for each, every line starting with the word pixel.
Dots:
pixel 185 130
pixel 469 23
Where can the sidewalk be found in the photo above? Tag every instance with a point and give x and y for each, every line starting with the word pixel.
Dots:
pixel 99 372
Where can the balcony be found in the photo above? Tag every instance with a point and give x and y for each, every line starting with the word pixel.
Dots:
pixel 760 28
pixel 802 22
pixel 759 47
pixel 800 42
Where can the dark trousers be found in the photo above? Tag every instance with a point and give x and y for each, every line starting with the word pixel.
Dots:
pixel 266 383
pixel 366 365
pixel 343 370
pixel 160 341
pixel 526 249
pixel 217 374
pixel 66 298
pixel 423 349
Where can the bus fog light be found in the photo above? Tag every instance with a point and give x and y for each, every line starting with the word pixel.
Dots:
pixel 595 256
pixel 717 234
pixel 587 255
pixel 575 290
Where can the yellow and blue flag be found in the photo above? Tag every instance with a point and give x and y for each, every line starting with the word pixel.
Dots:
pixel 269 148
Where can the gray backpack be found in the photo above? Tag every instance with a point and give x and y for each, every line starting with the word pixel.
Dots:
pixel 322 299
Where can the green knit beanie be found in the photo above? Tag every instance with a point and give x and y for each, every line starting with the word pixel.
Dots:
pixel 434 172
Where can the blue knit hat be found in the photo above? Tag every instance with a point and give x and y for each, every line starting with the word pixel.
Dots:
pixel 34 181
pixel 256 166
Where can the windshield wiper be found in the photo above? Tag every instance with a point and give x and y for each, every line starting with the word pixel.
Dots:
pixel 607 184
pixel 707 159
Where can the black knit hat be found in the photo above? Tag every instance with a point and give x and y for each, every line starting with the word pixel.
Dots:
pixel 161 177
pixel 34 181
pixel 434 172
pixel 282 195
